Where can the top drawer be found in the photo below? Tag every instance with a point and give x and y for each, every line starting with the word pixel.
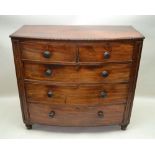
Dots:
pixel 105 52
pixel 68 52
pixel 48 52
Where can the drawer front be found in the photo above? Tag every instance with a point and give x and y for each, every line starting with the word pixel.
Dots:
pixel 48 52
pixel 77 94
pixel 76 116
pixel 83 74
pixel 105 52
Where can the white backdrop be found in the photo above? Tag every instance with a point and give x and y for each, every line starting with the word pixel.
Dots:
pixel 143 112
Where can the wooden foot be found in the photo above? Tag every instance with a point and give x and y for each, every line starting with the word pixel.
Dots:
pixel 123 127
pixel 28 126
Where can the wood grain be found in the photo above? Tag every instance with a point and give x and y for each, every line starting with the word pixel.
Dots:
pixel 76 115
pixel 133 79
pixel 76 64
pixel 58 32
pixel 59 51
pixel 95 52
pixel 20 83
pixel 77 94
pixel 78 74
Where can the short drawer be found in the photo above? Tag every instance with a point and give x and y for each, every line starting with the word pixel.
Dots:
pixel 103 94
pixel 76 116
pixel 48 52
pixel 108 73
pixel 105 52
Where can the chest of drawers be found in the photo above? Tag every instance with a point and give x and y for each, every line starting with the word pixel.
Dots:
pixel 77 75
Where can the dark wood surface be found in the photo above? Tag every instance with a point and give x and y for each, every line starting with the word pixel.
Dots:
pixel 74 52
pixel 81 95
pixel 59 51
pixel 76 115
pixel 79 74
pixel 118 52
pixel 77 94
pixel 56 32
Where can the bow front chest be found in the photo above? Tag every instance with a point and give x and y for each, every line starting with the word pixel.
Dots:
pixel 77 75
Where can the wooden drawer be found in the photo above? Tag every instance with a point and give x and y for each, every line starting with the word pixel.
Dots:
pixel 76 115
pixel 48 52
pixel 105 52
pixel 77 94
pixel 108 73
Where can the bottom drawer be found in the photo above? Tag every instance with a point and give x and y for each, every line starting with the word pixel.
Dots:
pixel 68 115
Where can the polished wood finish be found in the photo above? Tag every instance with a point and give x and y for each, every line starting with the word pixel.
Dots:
pixel 67 52
pixel 57 32
pixel 118 52
pixel 77 75
pixel 59 73
pixel 77 94
pixel 67 115
pixel 59 51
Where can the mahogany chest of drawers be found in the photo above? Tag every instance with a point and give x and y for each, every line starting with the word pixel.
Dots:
pixel 77 75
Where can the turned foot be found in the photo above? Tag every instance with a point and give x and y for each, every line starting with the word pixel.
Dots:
pixel 123 127
pixel 28 126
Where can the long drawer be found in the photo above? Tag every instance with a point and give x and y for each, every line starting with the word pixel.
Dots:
pixel 104 94
pixel 107 73
pixel 76 115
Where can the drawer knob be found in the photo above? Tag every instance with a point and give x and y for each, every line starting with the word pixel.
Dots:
pixel 47 54
pixel 51 114
pixel 48 72
pixel 106 55
pixel 50 94
pixel 100 114
pixel 103 94
pixel 105 74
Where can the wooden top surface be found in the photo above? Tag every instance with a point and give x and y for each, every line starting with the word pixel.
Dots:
pixel 54 32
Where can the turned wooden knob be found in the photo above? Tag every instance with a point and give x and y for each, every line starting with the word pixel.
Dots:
pixel 103 94
pixel 106 55
pixel 47 54
pixel 48 72
pixel 51 114
pixel 50 94
pixel 100 114
pixel 104 74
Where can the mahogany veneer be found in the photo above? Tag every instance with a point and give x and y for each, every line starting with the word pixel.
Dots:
pixel 77 75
